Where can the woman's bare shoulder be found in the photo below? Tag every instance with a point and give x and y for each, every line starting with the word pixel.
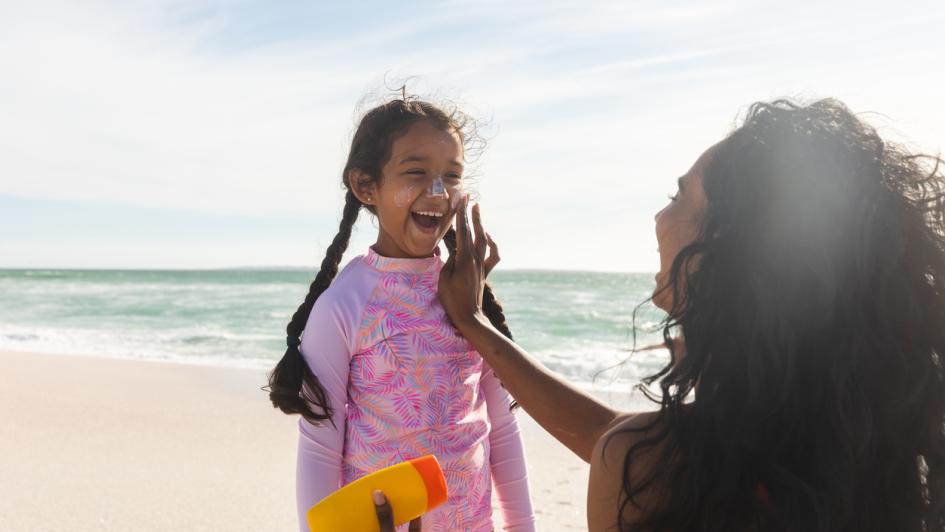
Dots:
pixel 605 490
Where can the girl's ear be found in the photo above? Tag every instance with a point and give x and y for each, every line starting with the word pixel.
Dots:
pixel 362 186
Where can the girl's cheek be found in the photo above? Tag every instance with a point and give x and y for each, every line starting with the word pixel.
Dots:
pixel 405 196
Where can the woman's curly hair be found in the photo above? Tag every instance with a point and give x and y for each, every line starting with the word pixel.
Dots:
pixel 813 311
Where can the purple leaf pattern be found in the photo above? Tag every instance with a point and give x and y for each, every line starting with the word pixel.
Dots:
pixel 413 389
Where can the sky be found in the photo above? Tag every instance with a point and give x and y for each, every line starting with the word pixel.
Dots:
pixel 207 134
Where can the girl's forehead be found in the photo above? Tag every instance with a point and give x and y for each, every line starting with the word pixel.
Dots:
pixel 425 139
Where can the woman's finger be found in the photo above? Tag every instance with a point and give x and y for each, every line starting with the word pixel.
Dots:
pixel 456 204
pixel 493 258
pixel 450 262
pixel 480 234
pixel 464 242
pixel 385 514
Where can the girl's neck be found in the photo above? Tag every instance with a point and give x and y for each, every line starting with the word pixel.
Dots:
pixel 389 249
pixel 411 265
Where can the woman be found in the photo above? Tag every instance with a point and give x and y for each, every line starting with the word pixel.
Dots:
pixel 803 262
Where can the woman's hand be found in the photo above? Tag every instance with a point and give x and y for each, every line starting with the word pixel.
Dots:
pixel 463 276
pixel 385 514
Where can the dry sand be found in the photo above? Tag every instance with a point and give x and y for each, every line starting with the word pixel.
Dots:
pixel 108 444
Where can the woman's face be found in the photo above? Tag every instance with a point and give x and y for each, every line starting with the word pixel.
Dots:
pixel 678 225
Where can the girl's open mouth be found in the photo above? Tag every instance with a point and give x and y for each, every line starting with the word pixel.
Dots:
pixel 427 221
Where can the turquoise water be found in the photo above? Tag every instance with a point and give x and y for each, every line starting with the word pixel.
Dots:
pixel 577 323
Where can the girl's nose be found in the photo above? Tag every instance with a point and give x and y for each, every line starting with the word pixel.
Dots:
pixel 437 189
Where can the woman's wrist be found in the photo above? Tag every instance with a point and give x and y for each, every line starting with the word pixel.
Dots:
pixel 472 323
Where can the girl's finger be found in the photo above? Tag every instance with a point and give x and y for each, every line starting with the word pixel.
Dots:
pixel 480 234
pixel 385 514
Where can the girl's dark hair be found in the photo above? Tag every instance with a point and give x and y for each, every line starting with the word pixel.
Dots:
pixel 293 388
pixel 812 307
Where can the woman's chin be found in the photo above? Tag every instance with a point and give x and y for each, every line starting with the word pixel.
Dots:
pixel 661 294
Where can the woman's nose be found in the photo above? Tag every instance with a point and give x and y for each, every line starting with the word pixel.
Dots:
pixel 659 213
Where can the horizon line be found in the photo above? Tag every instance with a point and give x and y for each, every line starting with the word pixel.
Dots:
pixel 280 269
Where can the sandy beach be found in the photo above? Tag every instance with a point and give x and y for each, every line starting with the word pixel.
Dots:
pixel 111 444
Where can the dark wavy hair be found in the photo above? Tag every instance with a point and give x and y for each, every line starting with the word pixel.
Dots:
pixel 811 394
pixel 292 387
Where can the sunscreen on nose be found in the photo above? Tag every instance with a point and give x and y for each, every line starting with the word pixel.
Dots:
pixel 412 488
pixel 437 188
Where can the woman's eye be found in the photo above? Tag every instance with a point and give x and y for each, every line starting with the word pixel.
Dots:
pixel 454 177
pixel 416 171
pixel 672 197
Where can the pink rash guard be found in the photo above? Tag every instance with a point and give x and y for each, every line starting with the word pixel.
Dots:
pixel 403 383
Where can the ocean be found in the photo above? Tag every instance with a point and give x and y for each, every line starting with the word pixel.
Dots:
pixel 579 324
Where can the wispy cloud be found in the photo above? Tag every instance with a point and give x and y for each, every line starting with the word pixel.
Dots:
pixel 245 108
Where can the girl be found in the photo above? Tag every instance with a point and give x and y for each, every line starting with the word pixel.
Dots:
pixel 382 376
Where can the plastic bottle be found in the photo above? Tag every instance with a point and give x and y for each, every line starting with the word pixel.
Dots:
pixel 412 488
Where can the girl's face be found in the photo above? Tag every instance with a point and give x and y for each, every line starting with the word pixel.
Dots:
pixel 413 199
pixel 678 225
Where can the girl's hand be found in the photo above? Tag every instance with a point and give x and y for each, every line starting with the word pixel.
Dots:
pixel 464 274
pixel 385 514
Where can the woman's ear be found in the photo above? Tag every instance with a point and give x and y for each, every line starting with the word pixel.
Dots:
pixel 362 186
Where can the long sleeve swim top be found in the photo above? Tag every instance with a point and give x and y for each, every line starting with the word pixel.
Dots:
pixel 403 383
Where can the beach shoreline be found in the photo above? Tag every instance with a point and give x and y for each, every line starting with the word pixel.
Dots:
pixel 95 443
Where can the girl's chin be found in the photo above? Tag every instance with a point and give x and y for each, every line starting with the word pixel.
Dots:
pixel 424 247
pixel 427 238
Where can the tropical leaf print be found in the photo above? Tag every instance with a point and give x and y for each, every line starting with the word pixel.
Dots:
pixel 408 405
pixel 414 390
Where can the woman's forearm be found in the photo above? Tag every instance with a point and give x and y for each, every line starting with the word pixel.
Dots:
pixel 572 416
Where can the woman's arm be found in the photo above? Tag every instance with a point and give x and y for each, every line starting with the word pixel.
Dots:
pixel 573 417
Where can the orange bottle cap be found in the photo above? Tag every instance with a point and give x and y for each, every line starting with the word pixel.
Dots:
pixel 432 475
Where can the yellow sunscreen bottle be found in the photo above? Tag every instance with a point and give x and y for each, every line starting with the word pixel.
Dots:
pixel 412 488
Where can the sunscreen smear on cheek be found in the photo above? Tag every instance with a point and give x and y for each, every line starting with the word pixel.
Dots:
pixel 404 196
